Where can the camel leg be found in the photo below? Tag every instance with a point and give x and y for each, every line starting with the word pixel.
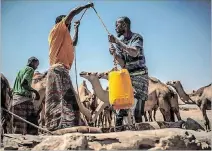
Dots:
pixel 177 113
pixel 165 108
pixel 129 117
pixel 102 119
pixel 172 119
pixel 150 116
pixel 163 113
pixel 109 119
pixel 83 109
pixel 98 110
pixel 106 121
pixel 145 117
pixel 203 109
pixel 96 122
pixel 155 110
pixel 99 119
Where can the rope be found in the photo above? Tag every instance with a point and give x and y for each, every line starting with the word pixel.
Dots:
pixel 75 61
pixel 101 21
pixel 27 121
pixel 114 60
pixel 83 14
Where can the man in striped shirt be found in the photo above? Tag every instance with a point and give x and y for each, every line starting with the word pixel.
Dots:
pixel 129 53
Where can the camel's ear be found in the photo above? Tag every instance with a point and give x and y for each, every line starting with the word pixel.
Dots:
pixel 99 75
pixel 96 73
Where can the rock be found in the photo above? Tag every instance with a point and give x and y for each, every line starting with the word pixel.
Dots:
pixel 74 141
pixel 20 142
pixel 156 139
pixel 145 126
pixel 191 124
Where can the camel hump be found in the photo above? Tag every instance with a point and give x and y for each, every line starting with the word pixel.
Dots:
pixel 154 79
pixel 200 90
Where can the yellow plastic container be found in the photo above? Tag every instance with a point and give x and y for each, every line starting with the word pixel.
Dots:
pixel 120 89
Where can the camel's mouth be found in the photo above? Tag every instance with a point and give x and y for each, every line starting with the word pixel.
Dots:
pixel 171 83
pixel 83 73
pixel 100 75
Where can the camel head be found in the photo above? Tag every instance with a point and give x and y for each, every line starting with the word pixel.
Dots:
pixel 89 75
pixel 103 75
pixel 39 81
pixel 175 84
pixel 39 84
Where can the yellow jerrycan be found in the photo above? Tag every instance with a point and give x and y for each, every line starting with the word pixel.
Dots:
pixel 121 94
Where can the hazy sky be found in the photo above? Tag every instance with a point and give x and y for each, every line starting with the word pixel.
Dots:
pixel 177 36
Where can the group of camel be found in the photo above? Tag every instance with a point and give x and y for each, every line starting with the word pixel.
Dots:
pixel 95 107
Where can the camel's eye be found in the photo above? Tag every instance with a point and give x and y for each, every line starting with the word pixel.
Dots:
pixel 36 80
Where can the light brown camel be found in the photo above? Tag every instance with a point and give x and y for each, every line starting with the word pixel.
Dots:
pixel 84 92
pixel 182 94
pixel 163 93
pixel 6 100
pixel 202 98
pixel 167 98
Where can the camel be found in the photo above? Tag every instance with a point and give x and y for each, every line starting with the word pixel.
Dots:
pixel 163 93
pixel 167 98
pixel 182 94
pixel 202 98
pixel 6 100
pixel 84 93
pixel 158 95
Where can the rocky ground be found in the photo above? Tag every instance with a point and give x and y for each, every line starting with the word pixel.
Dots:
pixel 188 135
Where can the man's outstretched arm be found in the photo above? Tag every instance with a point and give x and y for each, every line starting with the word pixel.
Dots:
pixel 76 11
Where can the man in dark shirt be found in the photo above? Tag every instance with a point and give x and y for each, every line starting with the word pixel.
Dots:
pixel 128 51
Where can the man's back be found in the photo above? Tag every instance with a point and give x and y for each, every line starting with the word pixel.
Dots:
pixel 25 73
